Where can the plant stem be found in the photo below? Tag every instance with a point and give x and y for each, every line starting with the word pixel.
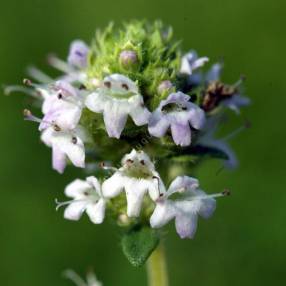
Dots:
pixel 157 268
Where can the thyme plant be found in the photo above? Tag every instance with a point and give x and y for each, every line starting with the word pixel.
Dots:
pixel 141 115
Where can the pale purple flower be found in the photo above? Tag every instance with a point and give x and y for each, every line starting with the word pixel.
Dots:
pixel 78 54
pixel 117 98
pixel 185 209
pixel 65 144
pixel 62 106
pixel 136 177
pixel 86 196
pixel 179 114
pixel 191 62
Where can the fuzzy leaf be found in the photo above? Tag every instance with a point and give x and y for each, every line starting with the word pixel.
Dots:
pixel 138 244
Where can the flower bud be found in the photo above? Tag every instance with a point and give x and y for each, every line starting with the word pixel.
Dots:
pixel 128 58
pixel 164 86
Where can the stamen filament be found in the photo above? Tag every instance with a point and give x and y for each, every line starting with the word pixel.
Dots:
pixel 38 75
pixel 61 204
pixel 18 88
pixel 236 132
pixel 28 82
pixel 59 64
pixel 74 277
pixel 217 195
pixel 102 166
pixel 30 117
pixel 239 82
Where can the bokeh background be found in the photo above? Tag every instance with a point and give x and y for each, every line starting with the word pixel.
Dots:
pixel 243 244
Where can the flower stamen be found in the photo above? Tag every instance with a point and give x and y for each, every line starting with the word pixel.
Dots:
pixel 102 166
pixel 30 117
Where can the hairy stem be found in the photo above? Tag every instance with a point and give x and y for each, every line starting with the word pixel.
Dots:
pixel 157 268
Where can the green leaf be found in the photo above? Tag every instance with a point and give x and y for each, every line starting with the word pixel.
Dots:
pixel 138 244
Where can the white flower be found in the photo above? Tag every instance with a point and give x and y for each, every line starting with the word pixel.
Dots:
pixel 65 144
pixel 184 210
pixel 136 177
pixel 87 197
pixel 117 98
pixel 191 62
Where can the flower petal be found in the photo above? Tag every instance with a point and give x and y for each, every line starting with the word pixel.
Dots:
pixel 95 183
pixel 158 124
pixel 199 62
pixel 181 134
pixel 113 186
pixel 183 182
pixel 214 72
pixel 196 116
pixel 191 61
pixel 235 102
pixel 115 119
pixel 58 159
pixel 163 213
pixel 47 136
pixel 78 54
pixel 207 208
pixel 135 191
pixel 75 210
pixel 96 211
pixel 76 188
pixel 96 102
pixel 186 225
pixel 74 151
pixel 140 115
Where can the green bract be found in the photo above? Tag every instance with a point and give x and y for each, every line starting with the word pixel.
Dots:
pixel 158 56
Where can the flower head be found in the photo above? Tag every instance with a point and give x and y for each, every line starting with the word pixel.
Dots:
pixel 87 196
pixel 178 113
pixel 184 210
pixel 136 177
pixel 117 98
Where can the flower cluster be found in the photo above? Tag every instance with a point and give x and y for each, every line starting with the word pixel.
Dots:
pixel 137 177
pixel 132 89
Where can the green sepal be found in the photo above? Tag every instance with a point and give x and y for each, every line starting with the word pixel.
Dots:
pixel 138 244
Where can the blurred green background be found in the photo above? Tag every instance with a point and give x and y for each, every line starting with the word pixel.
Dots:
pixel 243 244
